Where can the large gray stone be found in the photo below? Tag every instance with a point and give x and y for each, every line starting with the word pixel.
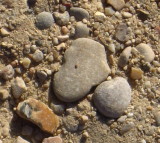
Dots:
pixel 85 66
pixel 112 97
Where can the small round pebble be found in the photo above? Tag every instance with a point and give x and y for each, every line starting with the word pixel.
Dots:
pixel 26 63
pixel 112 97
pixel 38 56
pixel 44 20
pixel 146 51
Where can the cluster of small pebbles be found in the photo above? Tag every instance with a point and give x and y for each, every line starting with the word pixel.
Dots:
pixel 79 71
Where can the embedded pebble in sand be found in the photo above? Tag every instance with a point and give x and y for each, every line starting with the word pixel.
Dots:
pixel 146 51
pixel 112 97
pixel 18 87
pixel 79 13
pixel 44 20
pixel 81 30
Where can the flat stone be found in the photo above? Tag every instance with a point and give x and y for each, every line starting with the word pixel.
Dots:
pixel 79 13
pixel 55 139
pixel 85 66
pixel 112 97
pixel 39 114
pixel 136 73
pixel 146 51
pixel 21 140
pixel 44 20
pixel 81 30
pixel 61 18
pixel 124 57
pixel 122 33
pixel 117 4
pixel 18 87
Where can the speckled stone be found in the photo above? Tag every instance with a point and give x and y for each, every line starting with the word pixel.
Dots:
pixel 85 66
pixel 39 114
pixel 112 97
pixel 44 20
pixel 62 18
pixel 37 56
pixel 122 32
pixel 7 72
pixel 81 30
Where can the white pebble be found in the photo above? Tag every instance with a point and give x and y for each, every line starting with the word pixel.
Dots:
pixel 127 15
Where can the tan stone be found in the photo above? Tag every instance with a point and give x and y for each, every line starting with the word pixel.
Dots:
pixel 38 113
pixel 136 73
pixel 4 32
pixel 117 4
pixel 55 139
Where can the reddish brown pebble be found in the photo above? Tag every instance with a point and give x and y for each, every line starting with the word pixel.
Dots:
pixel 55 139
pixel 39 114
